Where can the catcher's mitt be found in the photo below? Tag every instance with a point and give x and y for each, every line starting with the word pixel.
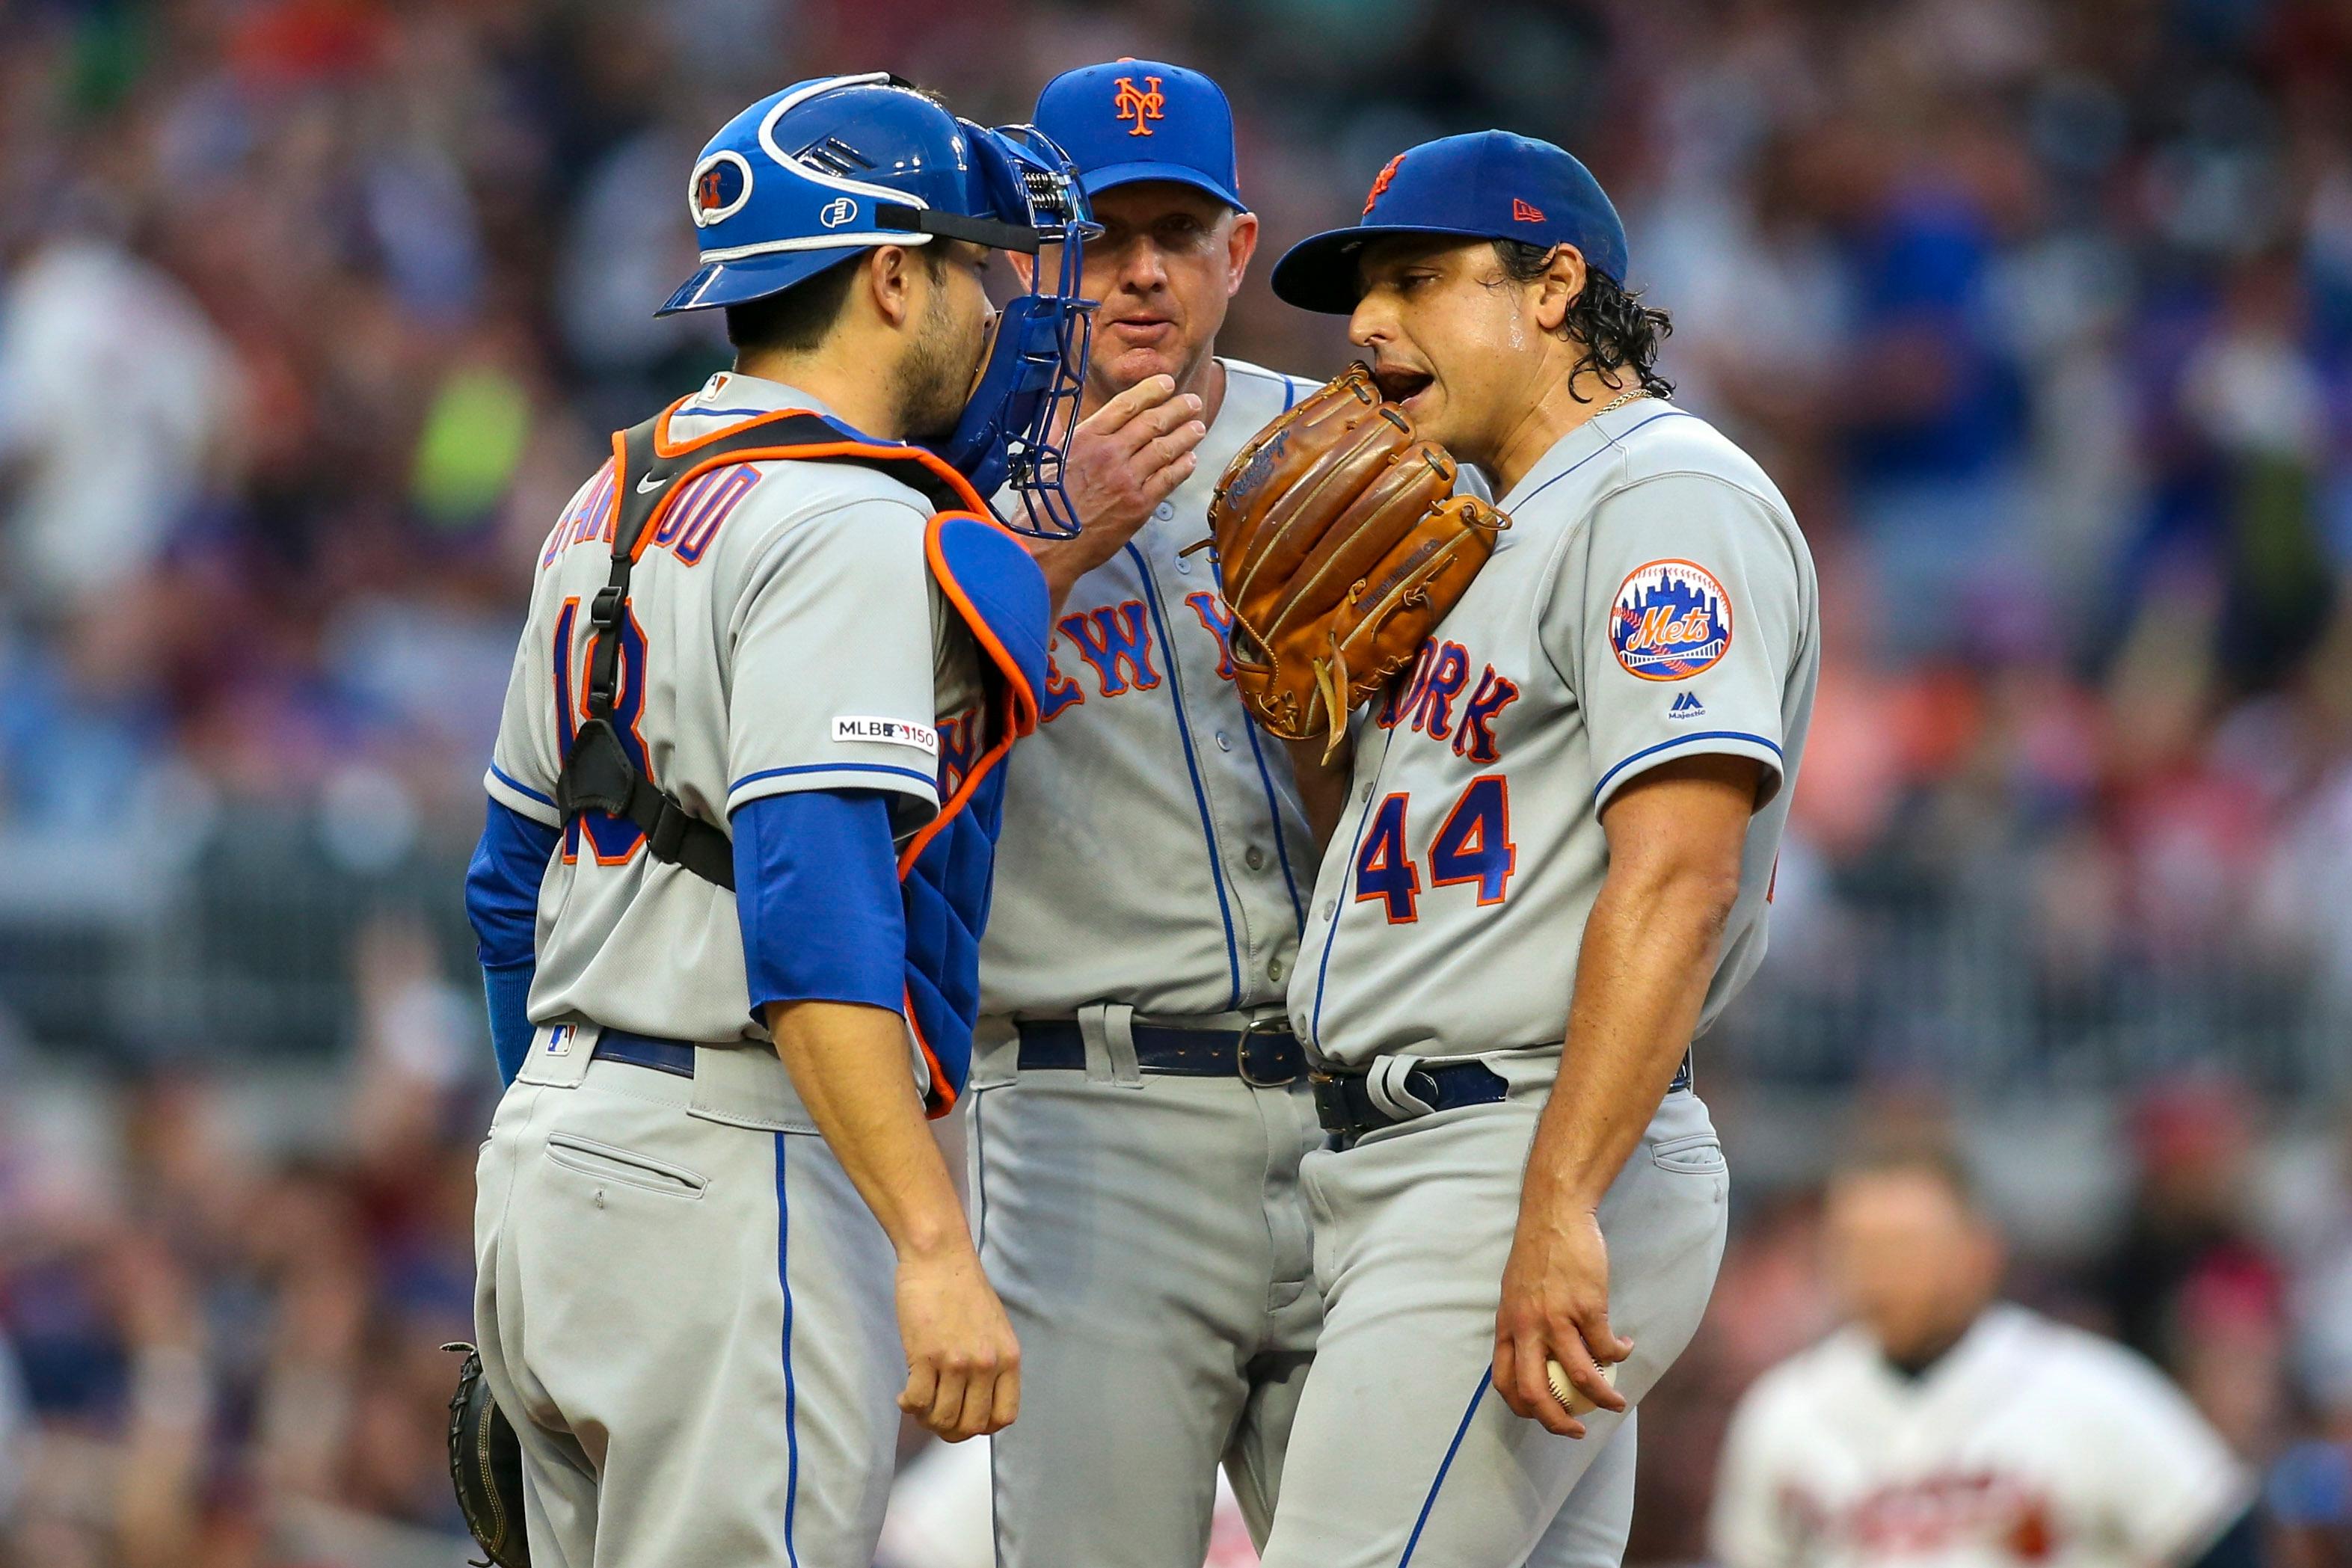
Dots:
pixel 1341 543
pixel 486 1465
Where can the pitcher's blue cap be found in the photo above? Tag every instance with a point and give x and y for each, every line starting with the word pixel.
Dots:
pixel 1133 120
pixel 1488 185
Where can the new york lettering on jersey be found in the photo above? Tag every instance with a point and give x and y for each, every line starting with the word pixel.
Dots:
pixel 783 567
pixel 1651 600
pixel 1146 797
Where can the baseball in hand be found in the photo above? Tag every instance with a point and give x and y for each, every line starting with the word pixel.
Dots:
pixel 1567 1393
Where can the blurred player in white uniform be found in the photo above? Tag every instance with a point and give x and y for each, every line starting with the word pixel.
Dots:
pixel 1141 1107
pixel 1942 1428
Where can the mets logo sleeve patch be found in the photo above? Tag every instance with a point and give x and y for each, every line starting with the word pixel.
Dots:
pixel 1672 619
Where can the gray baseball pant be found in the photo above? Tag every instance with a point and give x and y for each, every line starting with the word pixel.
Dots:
pixel 687 1312
pixel 1400 1451
pixel 1151 1241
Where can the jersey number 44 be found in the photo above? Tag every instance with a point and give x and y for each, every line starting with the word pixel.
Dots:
pixel 1473 846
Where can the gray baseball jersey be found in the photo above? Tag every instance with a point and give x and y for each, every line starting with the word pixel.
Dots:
pixel 762 576
pixel 1652 599
pixel 1153 850
pixel 1151 858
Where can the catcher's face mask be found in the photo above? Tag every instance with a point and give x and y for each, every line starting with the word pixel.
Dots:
pixel 1015 423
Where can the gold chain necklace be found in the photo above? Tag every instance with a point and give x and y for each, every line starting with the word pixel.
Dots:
pixel 1620 400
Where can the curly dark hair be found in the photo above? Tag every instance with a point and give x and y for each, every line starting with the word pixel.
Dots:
pixel 1618 331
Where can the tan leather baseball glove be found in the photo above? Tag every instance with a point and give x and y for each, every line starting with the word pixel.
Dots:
pixel 1341 543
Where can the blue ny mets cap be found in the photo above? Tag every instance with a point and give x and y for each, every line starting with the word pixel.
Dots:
pixel 1133 120
pixel 1488 185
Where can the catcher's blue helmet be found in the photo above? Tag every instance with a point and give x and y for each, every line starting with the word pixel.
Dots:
pixel 809 177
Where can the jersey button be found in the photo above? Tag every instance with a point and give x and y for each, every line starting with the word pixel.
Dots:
pixel 1184 566
pixel 1163 511
pixel 1254 858
pixel 1331 908
pixel 1225 743
pixel 1273 970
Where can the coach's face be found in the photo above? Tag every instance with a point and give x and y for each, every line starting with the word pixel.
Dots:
pixel 1911 1261
pixel 1465 350
pixel 1169 260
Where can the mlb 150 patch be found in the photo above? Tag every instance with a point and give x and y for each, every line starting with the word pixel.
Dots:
pixel 1672 619
pixel 920 737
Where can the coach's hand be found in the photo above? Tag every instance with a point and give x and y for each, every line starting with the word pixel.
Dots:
pixel 1124 459
pixel 963 1366
pixel 1556 1308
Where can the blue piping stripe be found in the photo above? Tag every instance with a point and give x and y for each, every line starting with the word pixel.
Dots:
pixel 979 1175
pixel 518 786
pixel 1606 443
pixel 1289 393
pixel 1331 938
pixel 1446 1464
pixel 1281 839
pixel 725 412
pixel 791 1393
pixel 929 782
pixel 1193 767
pixel 1682 740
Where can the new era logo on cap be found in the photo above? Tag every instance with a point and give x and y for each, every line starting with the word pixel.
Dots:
pixel 1526 212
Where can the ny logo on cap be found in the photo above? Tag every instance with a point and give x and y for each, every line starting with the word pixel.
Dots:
pixel 1129 104
pixel 1382 184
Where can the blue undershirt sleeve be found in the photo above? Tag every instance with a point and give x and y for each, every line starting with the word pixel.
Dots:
pixel 816 890
pixel 502 902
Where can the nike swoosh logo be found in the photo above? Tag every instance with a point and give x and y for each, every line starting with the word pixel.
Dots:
pixel 650 483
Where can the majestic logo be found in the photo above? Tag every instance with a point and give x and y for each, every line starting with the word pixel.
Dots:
pixel 1381 184
pixel 722 185
pixel 1686 706
pixel 1526 212
pixel 1129 103
pixel 837 212
pixel 1671 621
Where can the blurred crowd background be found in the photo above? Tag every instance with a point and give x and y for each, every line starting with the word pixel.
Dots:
pixel 313 313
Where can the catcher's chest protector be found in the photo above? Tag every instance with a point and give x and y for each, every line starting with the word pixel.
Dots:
pixel 945 870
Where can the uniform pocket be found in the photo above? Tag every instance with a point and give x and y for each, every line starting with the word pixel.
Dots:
pixel 1698 1154
pixel 606 1163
